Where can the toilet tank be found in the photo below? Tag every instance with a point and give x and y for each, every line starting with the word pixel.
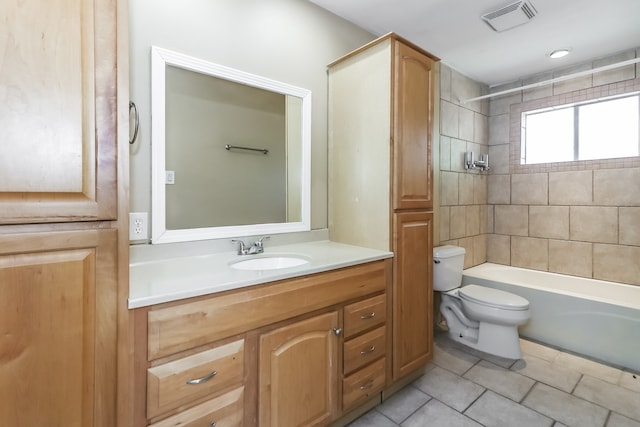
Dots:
pixel 447 268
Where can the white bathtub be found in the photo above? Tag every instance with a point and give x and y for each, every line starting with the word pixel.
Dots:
pixel 598 319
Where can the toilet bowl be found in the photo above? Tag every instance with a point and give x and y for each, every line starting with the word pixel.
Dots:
pixel 483 318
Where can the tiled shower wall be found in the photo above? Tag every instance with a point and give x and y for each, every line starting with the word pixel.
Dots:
pixel 463 193
pixel 581 219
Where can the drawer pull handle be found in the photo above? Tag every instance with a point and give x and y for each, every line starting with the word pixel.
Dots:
pixel 203 379
pixel 213 424
pixel 369 350
pixel 368 316
pixel 367 385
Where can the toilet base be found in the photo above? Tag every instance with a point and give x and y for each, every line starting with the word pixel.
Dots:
pixel 499 340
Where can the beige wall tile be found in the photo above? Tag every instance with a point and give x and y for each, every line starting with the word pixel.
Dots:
pixel 465 124
pixel 465 189
pixel 499 189
pixel 573 84
pixel 499 158
pixel 502 104
pixel 617 263
pixel 529 252
pixel 530 189
pixel 480 129
pixel 449 188
pixel 449 119
pixel 445 212
pixel 571 188
pixel 512 220
pixel 617 74
pixel 629 233
pixel 445 153
pixel 593 224
pixel 458 148
pixel 490 217
pixel 473 220
pixel 445 82
pixel 458 220
pixel 538 92
pixel 551 222
pixel 617 187
pixel 467 244
pixel 462 87
pixel 499 249
pixel 479 249
pixel 480 189
pixel 574 258
pixel 499 129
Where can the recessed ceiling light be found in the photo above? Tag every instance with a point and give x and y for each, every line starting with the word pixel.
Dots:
pixel 559 53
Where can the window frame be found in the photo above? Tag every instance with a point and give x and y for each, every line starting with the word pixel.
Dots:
pixel 582 97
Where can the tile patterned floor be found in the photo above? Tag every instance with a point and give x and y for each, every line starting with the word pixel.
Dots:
pixel 463 387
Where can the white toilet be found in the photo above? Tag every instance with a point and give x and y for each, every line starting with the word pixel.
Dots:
pixel 483 318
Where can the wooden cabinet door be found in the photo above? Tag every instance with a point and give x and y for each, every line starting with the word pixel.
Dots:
pixel 58 329
pixel 298 373
pixel 412 124
pixel 412 291
pixel 58 111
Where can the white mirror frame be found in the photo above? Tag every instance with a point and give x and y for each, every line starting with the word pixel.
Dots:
pixel 160 58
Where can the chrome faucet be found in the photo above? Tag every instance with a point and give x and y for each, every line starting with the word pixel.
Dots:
pixel 256 247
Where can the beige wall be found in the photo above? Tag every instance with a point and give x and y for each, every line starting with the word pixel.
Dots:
pixel 581 219
pixel 462 218
pixel 286 40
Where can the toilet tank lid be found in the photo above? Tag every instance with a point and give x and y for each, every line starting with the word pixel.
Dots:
pixel 447 251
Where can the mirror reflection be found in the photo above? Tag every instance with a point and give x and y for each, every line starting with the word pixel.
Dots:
pixel 232 155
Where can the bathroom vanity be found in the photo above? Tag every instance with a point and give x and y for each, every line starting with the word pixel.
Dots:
pixel 216 344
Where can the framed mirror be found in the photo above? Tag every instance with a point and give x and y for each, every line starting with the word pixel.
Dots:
pixel 231 152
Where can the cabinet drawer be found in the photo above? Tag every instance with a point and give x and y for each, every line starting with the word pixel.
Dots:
pixel 363 384
pixel 223 411
pixel 184 380
pixel 364 349
pixel 364 315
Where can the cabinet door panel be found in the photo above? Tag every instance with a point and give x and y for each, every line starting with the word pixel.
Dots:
pixel 412 113
pixel 57 329
pixel 412 291
pixel 298 373
pixel 57 78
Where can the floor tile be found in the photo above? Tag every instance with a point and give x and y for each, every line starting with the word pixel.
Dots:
pixel 437 414
pixel 449 388
pixel 614 397
pixel 373 418
pixel 544 371
pixel 492 409
pixel 617 420
pixel 630 381
pixel 564 407
pixel 503 381
pixel 589 367
pixel 538 350
pixel 403 403
pixel 453 359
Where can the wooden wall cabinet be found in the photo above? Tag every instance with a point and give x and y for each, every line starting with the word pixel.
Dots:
pixel 63 181
pixel 381 178
pixel 276 351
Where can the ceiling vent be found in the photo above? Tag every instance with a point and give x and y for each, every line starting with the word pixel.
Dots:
pixel 510 16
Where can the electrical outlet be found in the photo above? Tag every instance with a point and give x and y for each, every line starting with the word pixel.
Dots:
pixel 138 225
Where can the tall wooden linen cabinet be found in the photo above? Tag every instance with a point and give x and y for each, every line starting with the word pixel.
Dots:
pixel 63 191
pixel 381 179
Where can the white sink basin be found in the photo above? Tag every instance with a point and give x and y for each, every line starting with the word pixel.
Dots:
pixel 268 263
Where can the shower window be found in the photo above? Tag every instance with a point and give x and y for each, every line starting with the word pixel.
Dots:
pixel 604 128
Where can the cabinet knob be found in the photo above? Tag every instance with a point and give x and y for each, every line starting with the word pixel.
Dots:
pixel 337 331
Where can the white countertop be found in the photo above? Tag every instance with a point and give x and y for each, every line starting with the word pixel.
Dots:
pixel 154 282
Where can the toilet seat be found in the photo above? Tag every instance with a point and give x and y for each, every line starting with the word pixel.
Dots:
pixel 493 298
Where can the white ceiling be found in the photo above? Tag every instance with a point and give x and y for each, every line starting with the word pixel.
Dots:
pixel 454 31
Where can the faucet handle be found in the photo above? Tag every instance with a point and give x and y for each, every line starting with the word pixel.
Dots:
pixel 258 242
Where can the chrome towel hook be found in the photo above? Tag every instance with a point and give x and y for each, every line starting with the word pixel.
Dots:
pixel 132 106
